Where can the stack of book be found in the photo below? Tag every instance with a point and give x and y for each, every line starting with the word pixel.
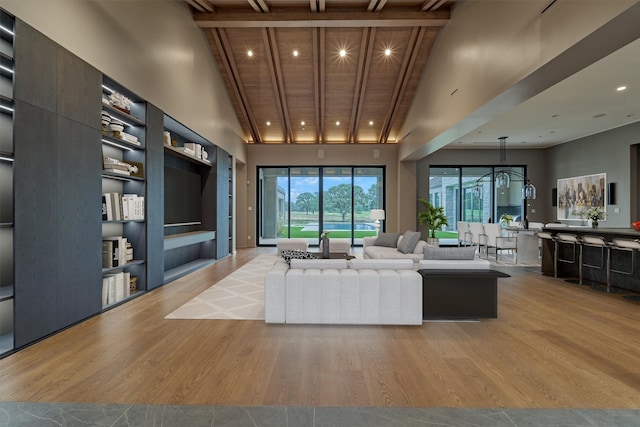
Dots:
pixel 116 287
pixel 112 165
pixel 116 251
pixel 132 139
pixel 122 207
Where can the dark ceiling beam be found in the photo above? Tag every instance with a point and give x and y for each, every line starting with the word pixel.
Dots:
pixel 206 5
pixel 327 19
pixel 275 70
pixel 427 5
pixel 415 42
pixel 259 6
pixel 197 6
pixel 317 5
pixel 220 39
pixel 362 76
pixel 376 5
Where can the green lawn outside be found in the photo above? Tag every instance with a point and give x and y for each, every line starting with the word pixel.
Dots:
pixel 296 232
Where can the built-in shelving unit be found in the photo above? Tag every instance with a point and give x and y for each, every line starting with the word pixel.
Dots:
pixel 58 157
pixel 6 183
pixel 190 201
pixel 123 196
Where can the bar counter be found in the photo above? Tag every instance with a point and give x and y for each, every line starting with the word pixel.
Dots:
pixel 620 260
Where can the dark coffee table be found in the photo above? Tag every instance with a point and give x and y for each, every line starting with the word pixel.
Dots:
pixel 333 255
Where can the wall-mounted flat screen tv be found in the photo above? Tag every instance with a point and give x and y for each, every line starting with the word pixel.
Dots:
pixel 182 196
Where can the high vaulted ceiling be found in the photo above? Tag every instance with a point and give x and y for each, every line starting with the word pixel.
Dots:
pixel 289 82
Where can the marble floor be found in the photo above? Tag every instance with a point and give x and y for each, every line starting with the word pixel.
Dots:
pixel 35 414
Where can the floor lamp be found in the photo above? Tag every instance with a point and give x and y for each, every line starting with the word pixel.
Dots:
pixel 377 214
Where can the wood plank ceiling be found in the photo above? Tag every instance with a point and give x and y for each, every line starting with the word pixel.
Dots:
pixel 321 71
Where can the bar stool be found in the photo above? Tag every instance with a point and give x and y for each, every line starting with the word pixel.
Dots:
pixel 626 245
pixel 569 239
pixel 605 262
pixel 545 235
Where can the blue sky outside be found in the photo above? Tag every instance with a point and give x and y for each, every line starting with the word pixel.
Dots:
pixel 311 184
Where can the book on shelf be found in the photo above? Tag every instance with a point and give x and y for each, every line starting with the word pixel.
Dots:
pixel 105 216
pixel 132 139
pixel 116 287
pixel 114 251
pixel 118 207
pixel 112 165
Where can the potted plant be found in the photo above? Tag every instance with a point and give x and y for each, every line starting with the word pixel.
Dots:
pixel 506 219
pixel 595 214
pixel 434 218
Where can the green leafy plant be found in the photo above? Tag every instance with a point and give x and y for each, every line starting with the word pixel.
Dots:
pixel 595 213
pixel 434 218
pixel 506 218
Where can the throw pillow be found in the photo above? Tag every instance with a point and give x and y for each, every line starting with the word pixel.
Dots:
pixel 389 240
pixel 437 253
pixel 409 241
pixel 289 254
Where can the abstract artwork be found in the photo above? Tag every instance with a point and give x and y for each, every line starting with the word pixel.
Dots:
pixel 579 193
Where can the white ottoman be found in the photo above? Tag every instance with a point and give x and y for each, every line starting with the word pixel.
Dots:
pixel 292 244
pixel 338 245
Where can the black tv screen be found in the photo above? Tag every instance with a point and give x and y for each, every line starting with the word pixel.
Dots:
pixel 182 196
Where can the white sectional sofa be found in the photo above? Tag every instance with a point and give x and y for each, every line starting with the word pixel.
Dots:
pixel 337 291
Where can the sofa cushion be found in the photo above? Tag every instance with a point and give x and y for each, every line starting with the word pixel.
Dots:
pixel 437 253
pixel 389 240
pixel 319 264
pixel 381 264
pixel 419 247
pixel 289 254
pixel 408 241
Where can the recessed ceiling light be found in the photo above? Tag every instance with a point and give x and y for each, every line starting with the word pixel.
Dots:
pixel 621 88
pixel 302 123
pixel 371 123
pixel 295 53
pixel 338 123
pixel 249 53
pixel 342 53
pixel 268 123
pixel 387 52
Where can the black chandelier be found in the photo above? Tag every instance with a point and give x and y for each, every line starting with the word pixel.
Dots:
pixel 503 174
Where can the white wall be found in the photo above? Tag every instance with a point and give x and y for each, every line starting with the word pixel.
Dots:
pixel 153 48
pixel 491 54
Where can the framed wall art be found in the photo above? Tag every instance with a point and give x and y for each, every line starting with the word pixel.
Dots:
pixel 579 193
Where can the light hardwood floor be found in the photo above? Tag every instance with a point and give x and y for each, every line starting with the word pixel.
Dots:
pixel 554 345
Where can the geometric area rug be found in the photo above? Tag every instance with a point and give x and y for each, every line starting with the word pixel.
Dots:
pixel 238 296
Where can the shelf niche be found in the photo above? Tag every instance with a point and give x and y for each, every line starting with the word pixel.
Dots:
pixel 190 195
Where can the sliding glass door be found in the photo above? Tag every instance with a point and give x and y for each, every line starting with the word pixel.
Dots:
pixel 304 192
pixel 470 194
pixel 368 185
pixel 301 202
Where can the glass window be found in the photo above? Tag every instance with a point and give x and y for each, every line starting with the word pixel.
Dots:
pixel 469 194
pixel 300 202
